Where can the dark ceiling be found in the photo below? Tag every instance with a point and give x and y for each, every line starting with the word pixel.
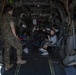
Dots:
pixel 45 6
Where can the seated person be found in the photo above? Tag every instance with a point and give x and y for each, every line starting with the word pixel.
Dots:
pixel 49 41
pixel 57 30
pixel 23 36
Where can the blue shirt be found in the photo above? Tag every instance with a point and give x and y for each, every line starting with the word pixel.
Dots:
pixel 53 39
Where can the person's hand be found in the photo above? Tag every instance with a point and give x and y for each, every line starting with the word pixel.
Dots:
pixel 46 40
pixel 17 37
pixel 48 37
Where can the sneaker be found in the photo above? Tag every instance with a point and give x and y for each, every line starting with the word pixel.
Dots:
pixel 8 66
pixel 21 61
pixel 42 50
pixel 26 50
pixel 45 53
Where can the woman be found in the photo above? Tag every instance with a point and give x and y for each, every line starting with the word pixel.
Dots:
pixel 50 41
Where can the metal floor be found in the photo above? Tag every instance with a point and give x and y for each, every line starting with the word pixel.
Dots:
pixel 39 65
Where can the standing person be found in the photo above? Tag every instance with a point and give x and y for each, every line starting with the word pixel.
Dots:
pixel 10 38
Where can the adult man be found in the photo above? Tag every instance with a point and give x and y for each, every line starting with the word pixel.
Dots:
pixel 9 37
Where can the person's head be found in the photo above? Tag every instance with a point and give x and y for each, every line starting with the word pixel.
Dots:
pixel 52 32
pixel 43 30
pixel 8 9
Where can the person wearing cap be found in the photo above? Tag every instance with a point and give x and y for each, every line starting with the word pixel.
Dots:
pixel 9 37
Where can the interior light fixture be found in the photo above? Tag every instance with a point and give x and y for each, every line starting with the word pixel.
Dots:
pixel 38 5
